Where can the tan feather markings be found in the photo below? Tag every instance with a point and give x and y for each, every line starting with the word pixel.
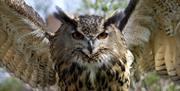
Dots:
pixel 161 19
pixel 24 50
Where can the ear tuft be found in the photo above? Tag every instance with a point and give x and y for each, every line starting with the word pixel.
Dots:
pixel 121 18
pixel 127 13
pixel 60 15
pixel 115 19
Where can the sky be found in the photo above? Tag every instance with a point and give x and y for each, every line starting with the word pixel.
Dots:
pixel 65 5
pixel 3 75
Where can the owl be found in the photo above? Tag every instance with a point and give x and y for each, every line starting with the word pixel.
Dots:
pixel 90 52
pixel 87 53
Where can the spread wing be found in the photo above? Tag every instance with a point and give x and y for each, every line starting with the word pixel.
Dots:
pixel 153 34
pixel 24 49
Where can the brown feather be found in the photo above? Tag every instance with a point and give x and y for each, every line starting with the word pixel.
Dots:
pixel 24 50
pixel 152 33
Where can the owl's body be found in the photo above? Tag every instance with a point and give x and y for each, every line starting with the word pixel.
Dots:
pixel 91 58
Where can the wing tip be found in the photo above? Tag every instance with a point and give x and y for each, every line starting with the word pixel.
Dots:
pixel 25 10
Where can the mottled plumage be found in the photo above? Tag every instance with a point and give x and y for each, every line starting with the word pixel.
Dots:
pixel 24 49
pixel 152 33
pixel 89 52
pixel 90 56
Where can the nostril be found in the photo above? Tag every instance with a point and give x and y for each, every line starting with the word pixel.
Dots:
pixel 78 48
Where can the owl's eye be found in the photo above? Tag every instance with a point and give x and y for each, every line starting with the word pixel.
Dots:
pixel 103 35
pixel 77 35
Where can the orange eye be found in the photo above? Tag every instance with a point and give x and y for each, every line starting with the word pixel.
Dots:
pixel 77 35
pixel 102 35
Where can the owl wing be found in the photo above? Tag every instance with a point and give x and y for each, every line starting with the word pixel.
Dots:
pixel 24 49
pixel 153 35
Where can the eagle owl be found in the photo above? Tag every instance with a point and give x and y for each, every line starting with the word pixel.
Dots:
pixel 90 52
pixel 86 53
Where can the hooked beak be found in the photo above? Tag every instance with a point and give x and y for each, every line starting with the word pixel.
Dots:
pixel 91 47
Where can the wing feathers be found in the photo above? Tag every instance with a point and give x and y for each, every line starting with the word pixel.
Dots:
pixel 20 7
pixel 146 33
pixel 24 50
pixel 166 55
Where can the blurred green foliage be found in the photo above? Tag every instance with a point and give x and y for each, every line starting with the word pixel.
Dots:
pixel 153 82
pixel 102 7
pixel 11 84
pixel 151 79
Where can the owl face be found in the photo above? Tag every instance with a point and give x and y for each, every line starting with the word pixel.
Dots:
pixel 88 39
pixel 91 37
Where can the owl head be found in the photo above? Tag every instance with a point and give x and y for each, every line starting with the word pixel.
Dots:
pixel 88 39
